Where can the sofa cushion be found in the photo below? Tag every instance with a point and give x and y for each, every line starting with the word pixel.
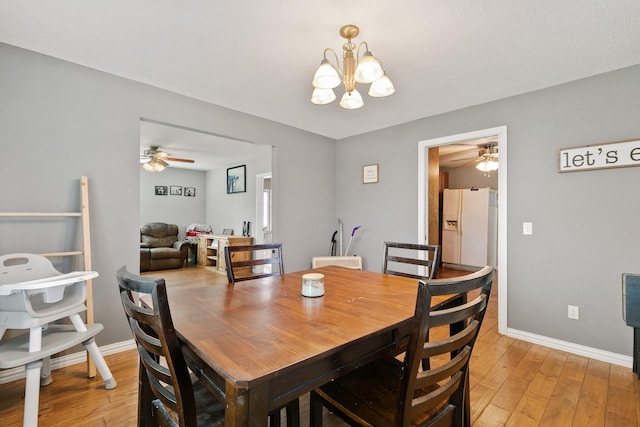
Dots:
pixel 164 253
pixel 158 234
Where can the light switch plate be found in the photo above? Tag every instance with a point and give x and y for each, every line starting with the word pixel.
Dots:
pixel 573 312
pixel 527 228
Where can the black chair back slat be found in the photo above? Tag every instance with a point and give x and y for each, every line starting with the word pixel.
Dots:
pixel 241 261
pixel 403 259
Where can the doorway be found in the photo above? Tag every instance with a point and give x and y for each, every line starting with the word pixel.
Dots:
pixel 500 133
pixel 210 154
pixel 264 208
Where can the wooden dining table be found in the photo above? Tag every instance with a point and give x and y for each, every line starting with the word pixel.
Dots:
pixel 264 344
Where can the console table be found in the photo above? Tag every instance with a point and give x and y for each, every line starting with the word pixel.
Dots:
pixel 211 249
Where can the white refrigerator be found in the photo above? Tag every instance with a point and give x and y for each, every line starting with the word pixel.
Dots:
pixel 470 227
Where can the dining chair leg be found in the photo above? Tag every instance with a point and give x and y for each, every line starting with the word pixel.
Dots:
pixel 145 408
pixel 467 402
pixel 293 414
pixel 315 411
pixel 275 418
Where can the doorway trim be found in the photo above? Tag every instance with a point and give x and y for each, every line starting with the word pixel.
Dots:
pixel 423 214
pixel 260 207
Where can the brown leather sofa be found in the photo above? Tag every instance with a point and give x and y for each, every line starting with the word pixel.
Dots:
pixel 160 248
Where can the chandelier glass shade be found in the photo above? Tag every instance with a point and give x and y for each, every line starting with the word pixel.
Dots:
pixel 488 160
pixel 366 70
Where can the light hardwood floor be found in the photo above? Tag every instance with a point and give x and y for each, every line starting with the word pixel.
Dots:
pixel 513 383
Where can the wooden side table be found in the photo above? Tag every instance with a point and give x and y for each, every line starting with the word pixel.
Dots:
pixel 211 249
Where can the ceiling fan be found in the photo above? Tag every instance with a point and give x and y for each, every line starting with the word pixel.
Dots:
pixel 157 159
pixel 469 153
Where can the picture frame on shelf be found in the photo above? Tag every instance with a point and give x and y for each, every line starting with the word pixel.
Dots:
pixel 237 179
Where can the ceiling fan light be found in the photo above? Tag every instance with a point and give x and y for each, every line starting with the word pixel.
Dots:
pixel 155 165
pixel 381 87
pixel 483 166
pixel 488 164
pixel 147 166
pixel 326 76
pixel 368 69
pixel 351 100
pixel 322 96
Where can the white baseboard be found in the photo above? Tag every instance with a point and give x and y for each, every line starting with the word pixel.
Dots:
pixel 580 350
pixel 13 374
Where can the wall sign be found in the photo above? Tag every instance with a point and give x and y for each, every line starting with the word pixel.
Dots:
pixel 610 155
pixel 370 174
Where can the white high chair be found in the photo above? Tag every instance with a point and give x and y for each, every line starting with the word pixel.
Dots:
pixel 32 295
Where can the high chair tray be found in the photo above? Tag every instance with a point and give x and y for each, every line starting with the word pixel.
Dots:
pixel 47 282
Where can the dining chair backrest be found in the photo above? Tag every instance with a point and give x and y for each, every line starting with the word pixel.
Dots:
pixel 405 259
pixel 161 358
pixel 440 345
pixel 253 261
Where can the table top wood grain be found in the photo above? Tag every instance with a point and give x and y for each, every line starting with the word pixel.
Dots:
pixel 252 330
pixel 265 344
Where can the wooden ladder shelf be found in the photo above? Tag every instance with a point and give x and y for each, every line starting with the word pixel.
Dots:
pixel 85 251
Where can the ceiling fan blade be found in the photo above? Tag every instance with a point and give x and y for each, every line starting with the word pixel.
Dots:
pixel 469 163
pixel 176 159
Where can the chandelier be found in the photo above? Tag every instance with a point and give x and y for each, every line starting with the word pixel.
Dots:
pixel 355 69
pixel 488 160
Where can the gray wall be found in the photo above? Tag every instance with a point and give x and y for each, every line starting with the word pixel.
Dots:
pixel 59 121
pixel 179 210
pixel 231 210
pixel 212 205
pixel 586 224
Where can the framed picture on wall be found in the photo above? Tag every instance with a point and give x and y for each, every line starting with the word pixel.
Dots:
pixel 175 190
pixel 236 179
pixel 161 190
pixel 370 174
pixel 190 191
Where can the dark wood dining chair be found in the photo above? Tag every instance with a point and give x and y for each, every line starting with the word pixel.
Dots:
pixel 253 261
pixel 403 259
pixel 430 386
pixel 167 389
pixel 173 390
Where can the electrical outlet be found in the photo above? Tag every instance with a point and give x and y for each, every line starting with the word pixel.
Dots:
pixel 573 312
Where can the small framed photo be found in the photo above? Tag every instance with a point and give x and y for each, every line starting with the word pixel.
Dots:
pixel 161 190
pixel 236 179
pixel 175 190
pixel 189 191
pixel 370 174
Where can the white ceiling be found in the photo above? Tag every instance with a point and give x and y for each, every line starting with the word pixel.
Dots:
pixel 207 150
pixel 259 56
